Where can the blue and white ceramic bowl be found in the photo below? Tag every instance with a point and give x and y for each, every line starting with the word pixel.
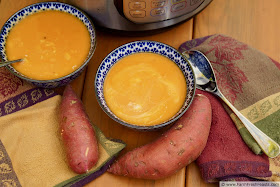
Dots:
pixel 14 19
pixel 138 47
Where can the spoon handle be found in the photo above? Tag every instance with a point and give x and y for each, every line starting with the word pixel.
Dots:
pixel 9 62
pixel 269 146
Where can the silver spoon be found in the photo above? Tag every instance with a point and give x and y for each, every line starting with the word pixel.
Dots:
pixel 9 62
pixel 205 80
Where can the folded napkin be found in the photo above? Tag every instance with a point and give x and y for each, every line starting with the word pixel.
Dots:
pixel 31 151
pixel 251 82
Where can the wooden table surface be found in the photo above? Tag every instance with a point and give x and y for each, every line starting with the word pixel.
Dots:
pixel 255 22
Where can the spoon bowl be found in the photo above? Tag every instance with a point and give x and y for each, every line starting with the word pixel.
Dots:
pixel 206 81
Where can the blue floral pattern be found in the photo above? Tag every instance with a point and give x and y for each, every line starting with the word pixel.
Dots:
pixel 14 19
pixel 138 47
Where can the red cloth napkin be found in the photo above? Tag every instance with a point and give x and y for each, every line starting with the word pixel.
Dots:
pixel 226 156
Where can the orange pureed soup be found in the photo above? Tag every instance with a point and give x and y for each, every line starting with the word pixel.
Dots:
pixel 52 43
pixel 145 89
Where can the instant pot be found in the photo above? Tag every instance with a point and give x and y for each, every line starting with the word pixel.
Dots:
pixel 139 15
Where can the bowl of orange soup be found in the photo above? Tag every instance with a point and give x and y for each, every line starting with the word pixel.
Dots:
pixel 145 85
pixel 55 41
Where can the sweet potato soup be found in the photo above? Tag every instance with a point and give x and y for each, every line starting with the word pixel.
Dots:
pixel 52 43
pixel 145 89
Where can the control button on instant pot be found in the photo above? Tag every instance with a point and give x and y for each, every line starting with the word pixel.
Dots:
pixel 178 6
pixel 177 1
pixel 193 2
pixel 137 5
pixel 158 3
pixel 157 12
pixel 137 13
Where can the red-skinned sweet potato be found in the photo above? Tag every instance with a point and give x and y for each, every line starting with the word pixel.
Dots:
pixel 77 133
pixel 175 149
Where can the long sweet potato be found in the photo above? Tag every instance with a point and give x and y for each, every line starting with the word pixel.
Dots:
pixel 77 133
pixel 172 151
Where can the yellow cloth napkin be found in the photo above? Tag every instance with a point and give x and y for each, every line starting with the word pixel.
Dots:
pixel 31 137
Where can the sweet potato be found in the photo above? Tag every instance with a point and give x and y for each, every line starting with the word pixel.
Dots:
pixel 77 133
pixel 176 148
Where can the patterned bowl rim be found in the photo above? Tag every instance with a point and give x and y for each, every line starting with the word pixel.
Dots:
pixel 183 109
pixel 92 37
